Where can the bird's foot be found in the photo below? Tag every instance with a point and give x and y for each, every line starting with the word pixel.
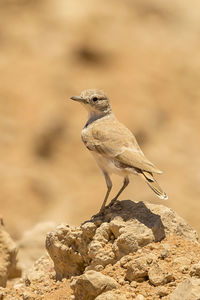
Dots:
pixel 99 214
pixel 103 209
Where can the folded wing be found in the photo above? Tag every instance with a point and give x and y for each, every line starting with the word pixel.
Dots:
pixel 118 143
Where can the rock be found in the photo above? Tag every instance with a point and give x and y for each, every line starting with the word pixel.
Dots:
pixel 91 284
pixel 183 263
pixel 105 239
pixel 195 270
pixel 67 247
pixel 125 260
pixel 165 252
pixel 28 296
pixel 133 284
pixel 39 271
pixel 162 291
pixel 140 297
pixel 126 243
pixel 159 277
pixel 8 257
pixel 137 270
pixel 112 295
pixel 189 289
pixel 100 249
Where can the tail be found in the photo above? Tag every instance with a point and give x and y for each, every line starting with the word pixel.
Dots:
pixel 152 183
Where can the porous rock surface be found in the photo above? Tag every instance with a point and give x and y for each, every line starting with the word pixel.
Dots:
pixel 8 257
pixel 134 251
pixel 103 240
pixel 91 284
pixel 111 295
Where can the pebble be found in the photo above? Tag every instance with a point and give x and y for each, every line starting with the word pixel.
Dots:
pixel 133 284
pixel 121 281
pixel 140 297
pixel 162 291
pixel 164 254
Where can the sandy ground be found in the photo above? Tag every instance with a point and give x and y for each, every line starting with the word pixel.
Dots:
pixel 145 55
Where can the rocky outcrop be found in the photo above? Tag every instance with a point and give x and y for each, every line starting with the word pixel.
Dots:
pixel 8 257
pixel 133 251
pixel 123 229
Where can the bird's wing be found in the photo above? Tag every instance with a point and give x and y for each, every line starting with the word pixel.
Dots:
pixel 118 143
pixel 135 159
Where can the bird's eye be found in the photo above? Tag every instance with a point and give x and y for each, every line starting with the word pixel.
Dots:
pixel 94 99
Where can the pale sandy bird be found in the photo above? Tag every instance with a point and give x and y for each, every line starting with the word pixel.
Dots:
pixel 113 145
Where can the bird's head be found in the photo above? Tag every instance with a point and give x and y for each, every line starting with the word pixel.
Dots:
pixel 95 101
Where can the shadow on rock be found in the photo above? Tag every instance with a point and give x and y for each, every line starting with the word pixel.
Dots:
pixel 129 210
pixel 123 229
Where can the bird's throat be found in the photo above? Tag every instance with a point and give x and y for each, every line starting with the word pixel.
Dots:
pixel 93 116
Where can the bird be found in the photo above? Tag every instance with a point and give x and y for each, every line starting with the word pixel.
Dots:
pixel 114 146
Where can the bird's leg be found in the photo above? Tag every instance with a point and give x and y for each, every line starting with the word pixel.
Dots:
pixel 109 186
pixel 126 182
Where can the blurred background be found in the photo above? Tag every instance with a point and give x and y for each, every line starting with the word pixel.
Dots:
pixel 145 54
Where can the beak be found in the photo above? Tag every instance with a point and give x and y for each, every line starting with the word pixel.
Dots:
pixel 77 98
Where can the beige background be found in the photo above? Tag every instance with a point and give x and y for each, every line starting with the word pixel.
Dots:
pixel 144 54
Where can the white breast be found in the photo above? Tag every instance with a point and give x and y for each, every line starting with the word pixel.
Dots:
pixel 109 166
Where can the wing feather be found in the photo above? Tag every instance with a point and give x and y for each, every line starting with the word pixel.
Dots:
pixel 115 141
